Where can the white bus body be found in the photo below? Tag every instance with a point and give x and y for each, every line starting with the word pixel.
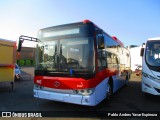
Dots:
pixel 151 67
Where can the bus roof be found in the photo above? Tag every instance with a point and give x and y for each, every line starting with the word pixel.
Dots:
pixel 84 22
pixel 113 37
pixel 116 39
pixel 156 38
pixel 7 42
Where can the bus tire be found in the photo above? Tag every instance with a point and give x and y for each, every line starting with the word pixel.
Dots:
pixel 108 95
pixel 126 82
pixel 109 90
pixel 127 79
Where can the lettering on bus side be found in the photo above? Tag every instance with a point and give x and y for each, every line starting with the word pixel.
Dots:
pixel 39 81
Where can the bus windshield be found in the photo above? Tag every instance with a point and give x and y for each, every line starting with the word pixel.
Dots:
pixel 74 54
pixel 153 53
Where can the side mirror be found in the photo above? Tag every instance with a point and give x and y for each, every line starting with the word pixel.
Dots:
pixel 101 42
pixel 22 38
pixel 142 52
pixel 143 44
pixel 20 45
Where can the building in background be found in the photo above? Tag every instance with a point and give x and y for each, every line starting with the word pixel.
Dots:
pixel 136 59
pixel 26 57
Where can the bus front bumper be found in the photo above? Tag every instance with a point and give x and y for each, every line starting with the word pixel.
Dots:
pixel 64 97
pixel 150 86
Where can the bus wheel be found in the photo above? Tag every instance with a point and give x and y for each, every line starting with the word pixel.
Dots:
pixel 108 91
pixel 126 82
pixel 127 79
pixel 108 96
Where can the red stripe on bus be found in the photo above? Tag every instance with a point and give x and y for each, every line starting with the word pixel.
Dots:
pixel 73 83
pixel 7 66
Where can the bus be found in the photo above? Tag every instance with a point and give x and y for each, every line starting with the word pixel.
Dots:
pixel 7 61
pixel 78 63
pixel 150 53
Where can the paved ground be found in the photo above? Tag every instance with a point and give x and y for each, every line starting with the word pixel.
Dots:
pixel 128 98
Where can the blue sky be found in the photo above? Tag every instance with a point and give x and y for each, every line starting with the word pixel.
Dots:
pixel 132 21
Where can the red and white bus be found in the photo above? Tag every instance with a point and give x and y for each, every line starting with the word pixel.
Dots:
pixel 79 63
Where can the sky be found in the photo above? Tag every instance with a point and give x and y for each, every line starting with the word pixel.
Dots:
pixel 131 21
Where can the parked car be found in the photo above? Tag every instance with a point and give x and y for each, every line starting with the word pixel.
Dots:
pixel 17 72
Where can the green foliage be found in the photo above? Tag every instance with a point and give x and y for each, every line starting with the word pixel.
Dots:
pixel 28 62
pixel 23 62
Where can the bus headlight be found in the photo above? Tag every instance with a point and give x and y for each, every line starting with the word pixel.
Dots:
pixel 84 92
pixel 148 76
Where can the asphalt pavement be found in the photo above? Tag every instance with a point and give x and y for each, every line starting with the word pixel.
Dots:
pixel 127 99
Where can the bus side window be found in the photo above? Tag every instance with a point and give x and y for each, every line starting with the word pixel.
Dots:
pixel 109 60
pixel 102 60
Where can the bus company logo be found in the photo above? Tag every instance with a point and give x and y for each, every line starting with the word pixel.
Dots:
pixel 56 84
pixel 80 85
